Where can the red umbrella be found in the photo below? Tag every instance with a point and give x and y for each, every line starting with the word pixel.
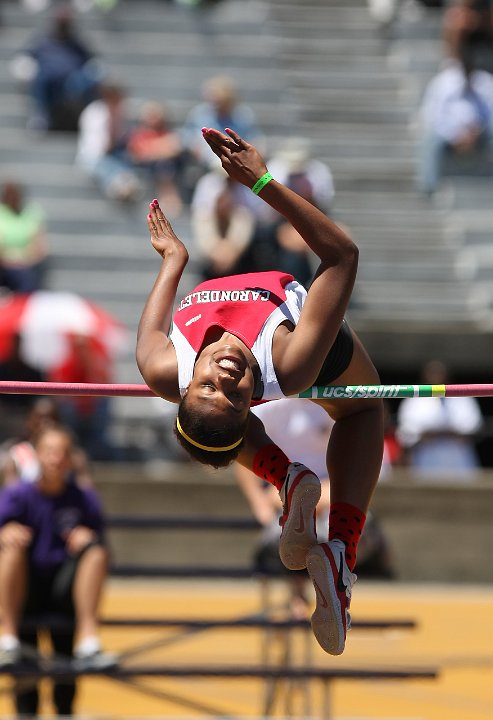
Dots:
pixel 47 324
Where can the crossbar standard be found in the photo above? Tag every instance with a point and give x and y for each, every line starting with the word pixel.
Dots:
pixel 13 387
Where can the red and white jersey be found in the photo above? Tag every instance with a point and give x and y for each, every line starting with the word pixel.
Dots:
pixel 250 306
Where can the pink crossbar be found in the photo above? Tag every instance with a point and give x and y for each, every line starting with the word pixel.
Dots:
pixel 14 387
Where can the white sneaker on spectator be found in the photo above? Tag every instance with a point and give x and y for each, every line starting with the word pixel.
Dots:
pixel 89 656
pixel 10 651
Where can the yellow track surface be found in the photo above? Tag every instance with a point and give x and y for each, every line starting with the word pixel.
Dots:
pixel 454 633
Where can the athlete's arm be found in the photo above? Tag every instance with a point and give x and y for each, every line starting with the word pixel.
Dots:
pixel 298 355
pixel 155 354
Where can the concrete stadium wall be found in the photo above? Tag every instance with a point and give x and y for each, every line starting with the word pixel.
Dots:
pixel 438 530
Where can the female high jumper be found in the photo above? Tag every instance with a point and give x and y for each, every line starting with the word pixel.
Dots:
pixel 262 336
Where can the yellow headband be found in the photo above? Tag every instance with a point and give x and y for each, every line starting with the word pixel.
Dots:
pixel 205 447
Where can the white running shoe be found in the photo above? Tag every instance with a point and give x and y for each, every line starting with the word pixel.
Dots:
pixel 300 495
pixel 10 651
pixel 333 582
pixel 10 657
pixel 97 661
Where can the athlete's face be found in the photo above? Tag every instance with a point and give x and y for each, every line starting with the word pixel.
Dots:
pixel 222 383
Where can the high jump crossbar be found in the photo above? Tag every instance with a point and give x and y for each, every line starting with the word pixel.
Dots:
pixel 13 387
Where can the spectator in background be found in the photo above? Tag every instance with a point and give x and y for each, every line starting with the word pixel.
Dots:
pixel 223 232
pixel 62 72
pixel 220 109
pixel 53 559
pixel 456 116
pixel 102 145
pixel 18 458
pixel 438 433
pixel 23 245
pixel 156 148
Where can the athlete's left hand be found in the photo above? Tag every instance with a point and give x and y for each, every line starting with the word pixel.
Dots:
pixel 241 160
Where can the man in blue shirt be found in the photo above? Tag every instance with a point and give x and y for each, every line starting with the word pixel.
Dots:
pixel 65 74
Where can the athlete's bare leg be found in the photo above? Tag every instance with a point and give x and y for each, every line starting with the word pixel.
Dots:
pixel 355 449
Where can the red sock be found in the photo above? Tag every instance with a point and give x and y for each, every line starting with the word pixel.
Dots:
pixel 271 464
pixel 346 523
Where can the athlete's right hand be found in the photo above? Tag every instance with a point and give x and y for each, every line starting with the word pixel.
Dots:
pixel 163 238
